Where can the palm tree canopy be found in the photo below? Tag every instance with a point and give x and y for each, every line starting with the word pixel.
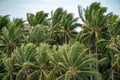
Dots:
pixel 4 20
pixel 39 18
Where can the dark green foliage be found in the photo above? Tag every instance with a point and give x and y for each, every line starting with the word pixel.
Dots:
pixel 38 34
pixel 4 21
pixel 51 49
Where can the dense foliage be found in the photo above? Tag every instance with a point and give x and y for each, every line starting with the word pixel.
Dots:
pixel 44 48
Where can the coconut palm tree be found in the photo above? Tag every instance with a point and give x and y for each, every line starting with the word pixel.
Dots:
pixel 54 25
pixel 68 26
pixel 94 24
pixel 39 18
pixel 19 22
pixel 24 60
pixel 2 67
pixel 112 41
pixel 9 64
pixel 42 69
pixel 11 37
pixel 94 27
pixel 38 34
pixel 76 63
pixel 56 61
pixel 4 20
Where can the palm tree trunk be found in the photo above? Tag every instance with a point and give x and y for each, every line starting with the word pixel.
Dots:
pixel 11 76
pixel 112 74
pixel 97 60
pixel 91 76
pixel 65 38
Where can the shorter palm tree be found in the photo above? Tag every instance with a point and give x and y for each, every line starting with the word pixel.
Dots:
pixel 11 37
pixel 2 67
pixel 56 61
pixel 42 70
pixel 76 63
pixel 10 68
pixel 38 34
pixel 24 60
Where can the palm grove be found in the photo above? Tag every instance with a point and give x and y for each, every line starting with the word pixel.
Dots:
pixel 51 48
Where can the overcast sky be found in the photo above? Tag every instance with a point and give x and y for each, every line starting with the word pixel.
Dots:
pixel 19 8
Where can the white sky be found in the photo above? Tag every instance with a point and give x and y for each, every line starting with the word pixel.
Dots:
pixel 19 8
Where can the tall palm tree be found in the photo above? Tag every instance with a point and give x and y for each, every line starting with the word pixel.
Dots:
pixel 4 20
pixel 112 41
pixel 94 24
pixel 54 25
pixel 94 27
pixel 19 22
pixel 68 26
pixel 39 18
